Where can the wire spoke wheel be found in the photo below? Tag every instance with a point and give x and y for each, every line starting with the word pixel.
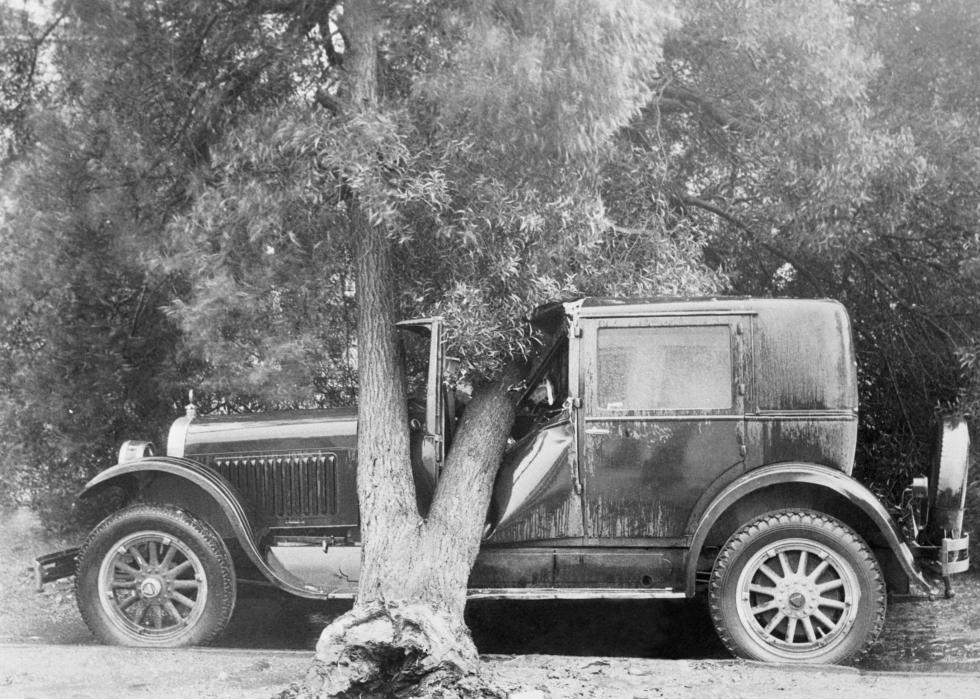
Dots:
pixel 152 584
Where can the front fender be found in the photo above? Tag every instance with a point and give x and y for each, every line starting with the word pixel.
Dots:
pixel 840 484
pixel 208 480
pixel 224 496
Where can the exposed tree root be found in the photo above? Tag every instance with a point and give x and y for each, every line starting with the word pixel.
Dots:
pixel 396 650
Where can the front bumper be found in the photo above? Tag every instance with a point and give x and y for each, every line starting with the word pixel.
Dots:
pixel 54 566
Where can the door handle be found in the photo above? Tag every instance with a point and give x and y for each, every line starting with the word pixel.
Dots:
pixel 596 430
pixel 571 405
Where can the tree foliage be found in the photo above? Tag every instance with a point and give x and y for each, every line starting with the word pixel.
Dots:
pixel 191 157
pixel 487 173
pixel 135 94
pixel 837 162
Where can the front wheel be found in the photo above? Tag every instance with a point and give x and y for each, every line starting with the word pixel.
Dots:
pixel 797 587
pixel 152 575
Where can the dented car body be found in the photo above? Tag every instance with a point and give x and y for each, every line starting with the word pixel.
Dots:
pixel 662 448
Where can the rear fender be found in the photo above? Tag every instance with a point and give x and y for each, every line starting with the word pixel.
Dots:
pixel 830 482
pixel 218 492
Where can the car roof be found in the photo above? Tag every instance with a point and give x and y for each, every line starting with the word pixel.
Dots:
pixel 604 307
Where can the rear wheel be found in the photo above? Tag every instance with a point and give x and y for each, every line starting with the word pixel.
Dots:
pixel 154 575
pixel 799 587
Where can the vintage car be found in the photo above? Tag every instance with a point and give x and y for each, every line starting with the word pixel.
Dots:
pixel 663 448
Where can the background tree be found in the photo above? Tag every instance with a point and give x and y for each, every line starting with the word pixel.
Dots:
pixel 134 94
pixel 836 162
pixel 24 42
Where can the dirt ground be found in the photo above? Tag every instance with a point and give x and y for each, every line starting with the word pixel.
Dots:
pixel 557 676
pixel 46 651
pixel 94 672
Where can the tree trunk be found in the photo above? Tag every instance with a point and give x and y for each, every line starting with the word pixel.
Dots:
pixel 405 634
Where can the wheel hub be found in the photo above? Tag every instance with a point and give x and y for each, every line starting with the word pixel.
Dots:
pixel 151 588
pixel 795 597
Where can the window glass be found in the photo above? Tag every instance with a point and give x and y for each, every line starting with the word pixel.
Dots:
pixel 672 368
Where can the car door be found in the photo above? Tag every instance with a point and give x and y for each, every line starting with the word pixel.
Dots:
pixel 429 404
pixel 662 417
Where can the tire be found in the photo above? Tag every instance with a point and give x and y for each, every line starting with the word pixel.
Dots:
pixel 948 480
pixel 797 587
pixel 155 576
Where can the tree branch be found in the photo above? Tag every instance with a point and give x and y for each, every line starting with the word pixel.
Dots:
pixel 674 99
pixel 328 101
pixel 900 301
pixel 35 50
pixel 688 200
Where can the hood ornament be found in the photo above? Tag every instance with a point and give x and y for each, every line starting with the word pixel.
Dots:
pixel 190 408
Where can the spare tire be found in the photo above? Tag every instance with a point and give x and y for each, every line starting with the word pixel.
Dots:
pixel 948 480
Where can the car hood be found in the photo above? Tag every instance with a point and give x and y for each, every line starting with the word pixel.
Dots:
pixel 257 433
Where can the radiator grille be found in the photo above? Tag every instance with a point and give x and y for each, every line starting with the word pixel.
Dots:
pixel 283 486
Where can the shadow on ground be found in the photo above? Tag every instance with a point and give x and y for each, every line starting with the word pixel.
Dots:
pixel 651 629
pixel 624 629
pixel 938 636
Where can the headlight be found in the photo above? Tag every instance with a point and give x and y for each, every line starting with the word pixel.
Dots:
pixel 132 449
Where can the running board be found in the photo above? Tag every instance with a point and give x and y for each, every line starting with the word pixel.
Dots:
pixel 572 593
pixel 540 593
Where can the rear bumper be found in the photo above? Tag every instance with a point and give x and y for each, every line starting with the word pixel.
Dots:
pixel 54 566
pixel 951 556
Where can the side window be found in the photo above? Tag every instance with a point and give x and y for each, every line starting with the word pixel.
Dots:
pixel 665 368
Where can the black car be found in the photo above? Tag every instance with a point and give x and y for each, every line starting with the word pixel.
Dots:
pixel 663 447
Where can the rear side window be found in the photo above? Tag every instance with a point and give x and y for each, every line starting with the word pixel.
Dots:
pixel 665 368
pixel 804 358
